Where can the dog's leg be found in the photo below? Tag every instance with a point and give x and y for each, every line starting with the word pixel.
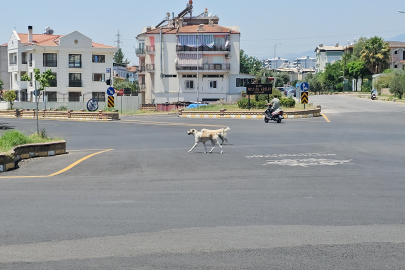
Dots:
pixel 226 141
pixel 220 147
pixel 205 148
pixel 213 145
pixel 217 142
pixel 192 147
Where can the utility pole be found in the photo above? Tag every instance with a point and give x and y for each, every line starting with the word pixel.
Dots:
pixel 118 41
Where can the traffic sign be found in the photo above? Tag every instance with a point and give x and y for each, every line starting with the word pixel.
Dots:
pixel 304 87
pixel 108 70
pixel 110 91
pixel 304 98
pixel 111 102
pixel 92 105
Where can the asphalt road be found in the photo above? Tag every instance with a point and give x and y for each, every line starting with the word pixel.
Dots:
pixel 303 194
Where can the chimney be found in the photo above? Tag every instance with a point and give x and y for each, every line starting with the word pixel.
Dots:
pixel 30 34
pixel 201 27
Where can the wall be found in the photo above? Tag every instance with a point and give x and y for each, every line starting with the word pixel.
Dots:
pixel 4 75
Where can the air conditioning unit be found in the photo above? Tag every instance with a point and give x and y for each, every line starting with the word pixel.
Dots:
pixel 226 56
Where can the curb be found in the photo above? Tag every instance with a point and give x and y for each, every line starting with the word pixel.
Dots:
pixel 311 115
pixel 10 159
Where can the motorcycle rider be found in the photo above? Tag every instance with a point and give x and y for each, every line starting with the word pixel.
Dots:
pixel 273 105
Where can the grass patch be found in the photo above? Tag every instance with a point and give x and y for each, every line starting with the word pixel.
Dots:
pixel 13 138
pixel 230 108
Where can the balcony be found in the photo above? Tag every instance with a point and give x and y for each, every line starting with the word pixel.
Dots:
pixel 204 48
pixel 142 86
pixel 140 52
pixel 75 83
pixel 142 68
pixel 150 67
pixel 51 63
pixel 24 62
pixel 13 63
pixel 150 49
pixel 203 67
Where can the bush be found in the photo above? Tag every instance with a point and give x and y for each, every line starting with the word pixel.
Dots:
pixel 13 138
pixel 287 102
pixel 62 108
pixel 243 103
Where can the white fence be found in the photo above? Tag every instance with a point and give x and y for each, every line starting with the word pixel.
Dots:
pixel 122 103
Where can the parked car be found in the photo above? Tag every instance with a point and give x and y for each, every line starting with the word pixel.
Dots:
pixel 290 91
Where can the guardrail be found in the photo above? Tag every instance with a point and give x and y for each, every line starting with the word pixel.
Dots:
pixel 44 114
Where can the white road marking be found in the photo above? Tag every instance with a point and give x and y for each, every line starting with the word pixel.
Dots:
pixel 307 162
pixel 291 155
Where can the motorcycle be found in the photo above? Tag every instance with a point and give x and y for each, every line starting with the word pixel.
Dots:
pixel 373 96
pixel 277 115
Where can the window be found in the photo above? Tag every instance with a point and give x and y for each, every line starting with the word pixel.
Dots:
pixel 403 55
pixel 52 96
pixel 30 61
pixel 75 60
pixel 23 58
pixel 213 84
pixel 242 82
pixel 98 77
pixel 396 52
pixel 98 58
pixel 49 60
pixel 170 76
pixel 189 76
pixel 74 96
pixel 13 58
pixel 395 66
pixel 75 80
pixel 99 96
pixel 53 83
pixel 31 82
pixel 189 84
pixel 213 76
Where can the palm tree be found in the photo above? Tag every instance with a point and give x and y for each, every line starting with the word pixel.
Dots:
pixel 376 54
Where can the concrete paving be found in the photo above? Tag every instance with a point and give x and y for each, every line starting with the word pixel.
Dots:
pixel 303 194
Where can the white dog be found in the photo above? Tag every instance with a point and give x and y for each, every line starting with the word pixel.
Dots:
pixel 203 138
pixel 222 133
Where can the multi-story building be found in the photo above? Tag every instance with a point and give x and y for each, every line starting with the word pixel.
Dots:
pixel 305 62
pixel 78 64
pixel 275 63
pixel 126 72
pixel 189 59
pixel 4 75
pixel 326 55
pixel 397 51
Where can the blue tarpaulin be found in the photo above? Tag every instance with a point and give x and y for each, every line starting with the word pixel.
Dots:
pixel 195 105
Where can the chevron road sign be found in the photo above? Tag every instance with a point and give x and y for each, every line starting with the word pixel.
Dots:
pixel 111 102
pixel 304 98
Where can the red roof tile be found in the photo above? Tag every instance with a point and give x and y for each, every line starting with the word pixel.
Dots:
pixel 52 40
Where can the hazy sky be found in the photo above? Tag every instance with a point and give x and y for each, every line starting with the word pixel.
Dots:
pixel 302 25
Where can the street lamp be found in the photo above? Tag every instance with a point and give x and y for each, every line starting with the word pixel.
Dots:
pixel 275 53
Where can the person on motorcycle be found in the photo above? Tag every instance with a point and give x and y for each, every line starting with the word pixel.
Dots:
pixel 273 105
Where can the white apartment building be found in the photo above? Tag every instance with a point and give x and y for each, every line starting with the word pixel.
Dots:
pixel 4 76
pixel 326 55
pixel 126 72
pixel 397 51
pixel 275 63
pixel 78 64
pixel 305 62
pixel 189 58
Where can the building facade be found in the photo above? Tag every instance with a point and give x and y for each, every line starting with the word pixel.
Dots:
pixel 189 59
pixel 78 64
pixel 326 55
pixel 305 62
pixel 275 63
pixel 397 52
pixel 4 75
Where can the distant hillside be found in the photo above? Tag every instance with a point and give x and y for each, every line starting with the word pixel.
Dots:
pixel 397 38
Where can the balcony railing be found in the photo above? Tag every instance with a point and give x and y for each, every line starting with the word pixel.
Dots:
pixel 150 49
pixel 203 67
pixel 51 63
pixel 142 68
pixel 13 63
pixel 142 86
pixel 140 52
pixel 204 48
pixel 24 62
pixel 75 83
pixel 150 67
pixel 75 64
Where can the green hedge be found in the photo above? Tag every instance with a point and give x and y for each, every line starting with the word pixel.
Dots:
pixel 259 102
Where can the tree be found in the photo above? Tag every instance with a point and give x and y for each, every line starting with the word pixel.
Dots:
pixel 376 55
pixel 10 96
pixel 333 76
pixel 119 58
pixel 315 82
pixel 43 81
pixel 358 48
pixel 357 70
pixel 1 84
pixel 121 84
pixel 397 83
pixel 249 64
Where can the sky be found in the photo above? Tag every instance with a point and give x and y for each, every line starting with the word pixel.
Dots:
pixel 302 25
